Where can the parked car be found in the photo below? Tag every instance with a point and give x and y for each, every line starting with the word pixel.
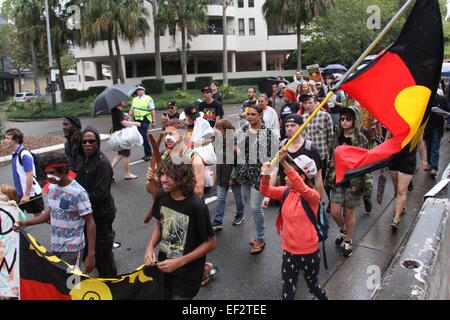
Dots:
pixel 24 96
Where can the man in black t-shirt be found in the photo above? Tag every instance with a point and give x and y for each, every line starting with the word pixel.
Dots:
pixel 298 147
pixel 211 108
pixel 183 232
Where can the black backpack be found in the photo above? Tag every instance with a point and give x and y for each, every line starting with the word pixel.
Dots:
pixel 321 226
pixel 40 176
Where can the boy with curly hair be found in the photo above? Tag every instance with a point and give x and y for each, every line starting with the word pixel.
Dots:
pixel 183 231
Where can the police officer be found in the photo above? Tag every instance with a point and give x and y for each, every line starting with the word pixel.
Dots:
pixel 143 110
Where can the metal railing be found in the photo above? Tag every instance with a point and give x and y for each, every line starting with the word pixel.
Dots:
pixel 217 31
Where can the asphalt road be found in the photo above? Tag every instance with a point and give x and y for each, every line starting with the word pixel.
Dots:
pixel 241 275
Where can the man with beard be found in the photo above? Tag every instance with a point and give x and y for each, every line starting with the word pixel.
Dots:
pixel 94 173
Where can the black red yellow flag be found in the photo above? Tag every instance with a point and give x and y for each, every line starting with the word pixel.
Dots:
pixel 398 89
pixel 44 276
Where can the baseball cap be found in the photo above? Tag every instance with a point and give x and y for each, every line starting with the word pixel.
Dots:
pixel 192 112
pixel 295 118
pixel 140 88
pixel 307 165
pixel 207 89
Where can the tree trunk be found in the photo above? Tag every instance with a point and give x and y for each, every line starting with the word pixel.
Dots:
pixel 183 59
pixel 119 60
pixel 19 71
pixel 37 90
pixel 299 46
pixel 62 87
pixel 112 61
pixel 225 51
pixel 156 36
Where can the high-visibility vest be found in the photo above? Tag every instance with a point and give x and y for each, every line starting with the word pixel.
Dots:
pixel 140 108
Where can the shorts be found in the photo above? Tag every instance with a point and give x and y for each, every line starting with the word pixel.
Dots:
pixel 125 153
pixel 345 198
pixel 72 258
pixel 406 165
pixel 33 207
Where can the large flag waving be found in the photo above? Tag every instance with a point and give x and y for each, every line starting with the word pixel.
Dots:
pixel 398 89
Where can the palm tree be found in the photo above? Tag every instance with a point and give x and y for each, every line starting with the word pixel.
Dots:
pixel 188 16
pixel 131 19
pixel 105 20
pixel 156 36
pixel 94 28
pixel 29 29
pixel 294 13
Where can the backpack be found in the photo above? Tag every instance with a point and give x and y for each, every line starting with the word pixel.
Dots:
pixel 40 176
pixel 320 225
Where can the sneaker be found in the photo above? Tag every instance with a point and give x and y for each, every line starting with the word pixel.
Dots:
pixel 367 205
pixel 395 224
pixel 146 158
pixel 217 226
pixel 347 249
pixel 238 220
pixel 433 173
pixel 340 239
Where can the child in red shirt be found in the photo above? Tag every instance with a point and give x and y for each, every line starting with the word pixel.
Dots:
pixel 299 239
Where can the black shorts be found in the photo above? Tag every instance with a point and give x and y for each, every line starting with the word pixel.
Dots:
pixel 32 207
pixel 125 153
pixel 406 165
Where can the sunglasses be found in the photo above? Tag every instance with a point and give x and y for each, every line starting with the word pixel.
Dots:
pixel 170 107
pixel 346 119
pixel 92 141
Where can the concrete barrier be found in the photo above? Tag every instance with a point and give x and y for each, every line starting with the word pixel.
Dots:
pixel 421 269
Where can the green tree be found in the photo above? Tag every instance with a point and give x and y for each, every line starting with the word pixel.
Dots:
pixel 187 16
pixel 28 28
pixel 343 35
pixel 294 13
pixel 105 20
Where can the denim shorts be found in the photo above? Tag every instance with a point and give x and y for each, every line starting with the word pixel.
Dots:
pixel 345 198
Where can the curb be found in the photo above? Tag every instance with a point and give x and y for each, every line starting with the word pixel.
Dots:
pixel 6 159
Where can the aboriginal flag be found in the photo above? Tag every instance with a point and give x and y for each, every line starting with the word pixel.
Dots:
pixel 398 89
pixel 44 276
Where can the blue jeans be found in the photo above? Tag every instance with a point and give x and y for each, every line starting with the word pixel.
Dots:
pixel 433 142
pixel 255 198
pixel 222 196
pixel 143 130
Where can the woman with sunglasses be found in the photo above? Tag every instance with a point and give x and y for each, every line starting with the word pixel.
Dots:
pixel 345 198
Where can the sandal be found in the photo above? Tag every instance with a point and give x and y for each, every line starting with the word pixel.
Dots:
pixel 257 249
pixel 252 242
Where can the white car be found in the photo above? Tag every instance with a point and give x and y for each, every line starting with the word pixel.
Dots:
pixel 24 96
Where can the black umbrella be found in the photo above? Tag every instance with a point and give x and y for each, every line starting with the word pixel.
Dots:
pixel 334 68
pixel 111 97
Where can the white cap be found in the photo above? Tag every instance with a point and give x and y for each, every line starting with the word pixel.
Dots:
pixel 307 165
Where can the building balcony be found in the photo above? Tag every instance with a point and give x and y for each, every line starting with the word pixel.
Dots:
pixel 215 9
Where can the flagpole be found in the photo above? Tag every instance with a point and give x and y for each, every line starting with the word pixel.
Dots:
pixel 348 73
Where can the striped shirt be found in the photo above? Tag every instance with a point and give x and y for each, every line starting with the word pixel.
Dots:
pixel 67 207
pixel 320 132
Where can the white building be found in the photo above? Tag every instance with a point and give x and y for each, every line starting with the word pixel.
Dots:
pixel 253 50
